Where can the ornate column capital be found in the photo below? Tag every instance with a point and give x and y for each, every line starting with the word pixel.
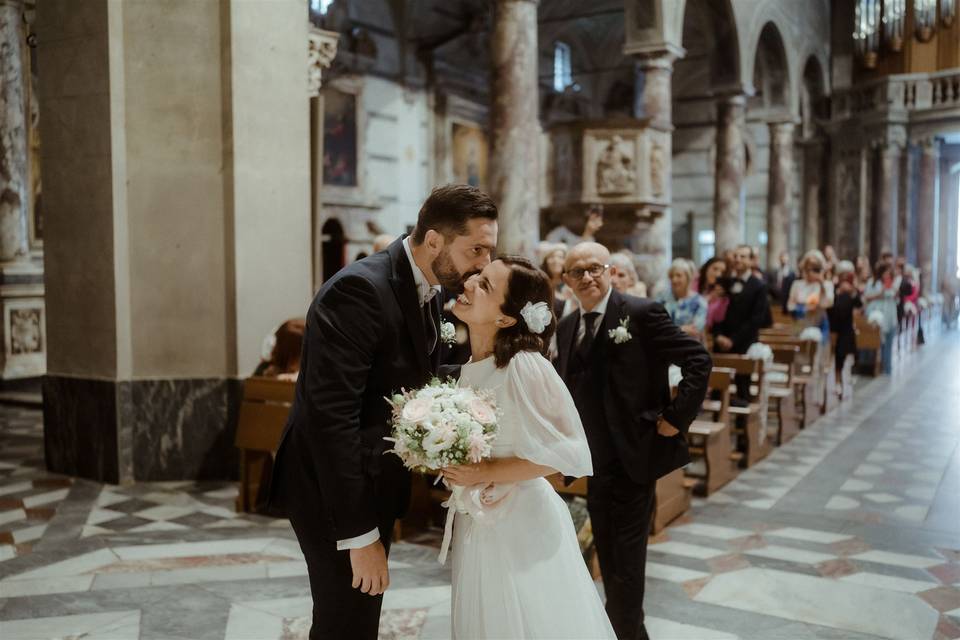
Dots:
pixel 321 52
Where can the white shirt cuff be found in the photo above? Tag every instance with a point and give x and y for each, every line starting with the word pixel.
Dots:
pixel 360 541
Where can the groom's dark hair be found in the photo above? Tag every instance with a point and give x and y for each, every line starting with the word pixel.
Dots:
pixel 448 209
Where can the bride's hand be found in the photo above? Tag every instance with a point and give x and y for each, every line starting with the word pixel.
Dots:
pixel 467 475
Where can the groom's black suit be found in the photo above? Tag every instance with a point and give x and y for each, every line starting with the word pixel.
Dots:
pixel 366 337
pixel 620 391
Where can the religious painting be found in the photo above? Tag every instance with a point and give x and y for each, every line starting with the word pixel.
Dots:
pixel 340 139
pixel 469 151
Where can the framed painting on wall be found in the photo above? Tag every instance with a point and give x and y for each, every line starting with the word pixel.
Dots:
pixel 469 151
pixel 340 139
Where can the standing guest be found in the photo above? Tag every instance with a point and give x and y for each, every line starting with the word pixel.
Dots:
pixel 624 275
pixel 863 273
pixel 810 297
pixel 687 308
pixel 831 260
pixel 614 356
pixel 841 318
pixel 554 256
pixel 382 241
pixel 780 281
pixel 749 311
pixel 593 222
pixel 709 287
pixel 284 361
pixel 755 263
pixel 881 295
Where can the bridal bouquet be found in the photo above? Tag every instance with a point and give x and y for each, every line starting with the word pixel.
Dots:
pixel 442 425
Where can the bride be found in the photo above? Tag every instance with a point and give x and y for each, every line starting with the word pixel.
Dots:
pixel 517 567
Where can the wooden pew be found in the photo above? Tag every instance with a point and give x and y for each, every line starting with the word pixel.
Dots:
pixel 782 395
pixel 808 396
pixel 753 439
pixel 263 414
pixel 712 439
pixel 870 339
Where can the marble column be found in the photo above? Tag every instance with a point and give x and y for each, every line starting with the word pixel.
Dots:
pixel 887 193
pixel 928 200
pixel 14 168
pixel 728 198
pixel 654 100
pixel 779 191
pixel 515 125
pixel 813 181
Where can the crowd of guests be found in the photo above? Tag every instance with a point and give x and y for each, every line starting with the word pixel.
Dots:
pixel 729 298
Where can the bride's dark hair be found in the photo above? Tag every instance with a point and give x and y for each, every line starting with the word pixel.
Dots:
pixel 526 284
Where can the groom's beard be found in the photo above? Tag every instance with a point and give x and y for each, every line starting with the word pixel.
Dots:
pixel 450 278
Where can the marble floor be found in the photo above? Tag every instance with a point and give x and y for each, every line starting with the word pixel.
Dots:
pixel 852 531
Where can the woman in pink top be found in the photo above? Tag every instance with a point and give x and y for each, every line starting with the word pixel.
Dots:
pixel 708 284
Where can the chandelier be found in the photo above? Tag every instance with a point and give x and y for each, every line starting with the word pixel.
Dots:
pixel 948 9
pixel 894 12
pixel 924 19
pixel 866 31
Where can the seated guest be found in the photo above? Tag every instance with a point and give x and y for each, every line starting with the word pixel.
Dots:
pixel 284 362
pixel 847 299
pixel 687 308
pixel 709 286
pixel 625 277
pixel 811 297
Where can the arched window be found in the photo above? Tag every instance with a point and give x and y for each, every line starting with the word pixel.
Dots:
pixel 320 6
pixel 562 71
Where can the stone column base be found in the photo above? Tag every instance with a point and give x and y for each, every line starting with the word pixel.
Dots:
pixel 141 430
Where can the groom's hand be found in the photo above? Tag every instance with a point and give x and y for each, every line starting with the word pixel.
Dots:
pixel 369 566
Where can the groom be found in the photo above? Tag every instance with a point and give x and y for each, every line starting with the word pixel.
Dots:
pixel 613 356
pixel 372 329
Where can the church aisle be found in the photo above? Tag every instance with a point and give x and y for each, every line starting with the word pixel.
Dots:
pixel 851 530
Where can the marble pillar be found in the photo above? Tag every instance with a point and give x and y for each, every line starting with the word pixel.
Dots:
pixel 654 100
pixel 515 125
pixel 813 183
pixel 928 204
pixel 14 168
pixel 887 194
pixel 728 198
pixel 779 191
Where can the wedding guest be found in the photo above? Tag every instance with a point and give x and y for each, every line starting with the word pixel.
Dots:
pixel 687 308
pixel 593 222
pixel 780 281
pixel 863 273
pixel 748 312
pixel 709 286
pixel 847 299
pixel 554 255
pixel 284 361
pixel 813 295
pixel 881 296
pixel 625 277
pixel 755 263
pixel 382 241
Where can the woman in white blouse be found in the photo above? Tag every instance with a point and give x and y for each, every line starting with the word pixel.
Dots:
pixel 811 296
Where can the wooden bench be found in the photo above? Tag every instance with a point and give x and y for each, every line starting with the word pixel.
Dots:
pixel 782 394
pixel 808 397
pixel 263 415
pixel 712 440
pixel 751 421
pixel 870 339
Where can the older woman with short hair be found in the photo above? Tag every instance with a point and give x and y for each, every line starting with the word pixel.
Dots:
pixel 687 308
pixel 624 276
pixel 812 294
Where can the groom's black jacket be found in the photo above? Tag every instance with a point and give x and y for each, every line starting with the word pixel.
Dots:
pixel 621 389
pixel 365 339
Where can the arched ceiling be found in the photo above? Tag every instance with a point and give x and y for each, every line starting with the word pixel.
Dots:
pixel 711 64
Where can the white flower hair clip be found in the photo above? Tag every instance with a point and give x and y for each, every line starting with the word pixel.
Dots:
pixel 537 316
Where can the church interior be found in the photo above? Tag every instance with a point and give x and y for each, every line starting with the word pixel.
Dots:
pixel 179 178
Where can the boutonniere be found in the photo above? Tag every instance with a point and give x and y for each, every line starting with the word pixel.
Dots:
pixel 448 333
pixel 737 287
pixel 621 334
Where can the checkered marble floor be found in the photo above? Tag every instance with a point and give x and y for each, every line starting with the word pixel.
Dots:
pixel 851 531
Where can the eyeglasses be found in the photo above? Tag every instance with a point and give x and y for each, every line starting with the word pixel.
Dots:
pixel 594 270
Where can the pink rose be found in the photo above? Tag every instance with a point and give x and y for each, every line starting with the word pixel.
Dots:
pixel 416 410
pixel 481 411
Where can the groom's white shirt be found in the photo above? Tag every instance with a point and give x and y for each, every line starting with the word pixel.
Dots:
pixel 426 291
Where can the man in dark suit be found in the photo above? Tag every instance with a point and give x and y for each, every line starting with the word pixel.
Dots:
pixel 613 355
pixel 780 280
pixel 372 329
pixel 749 311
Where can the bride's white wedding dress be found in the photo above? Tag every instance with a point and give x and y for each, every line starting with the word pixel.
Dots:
pixel 517 567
